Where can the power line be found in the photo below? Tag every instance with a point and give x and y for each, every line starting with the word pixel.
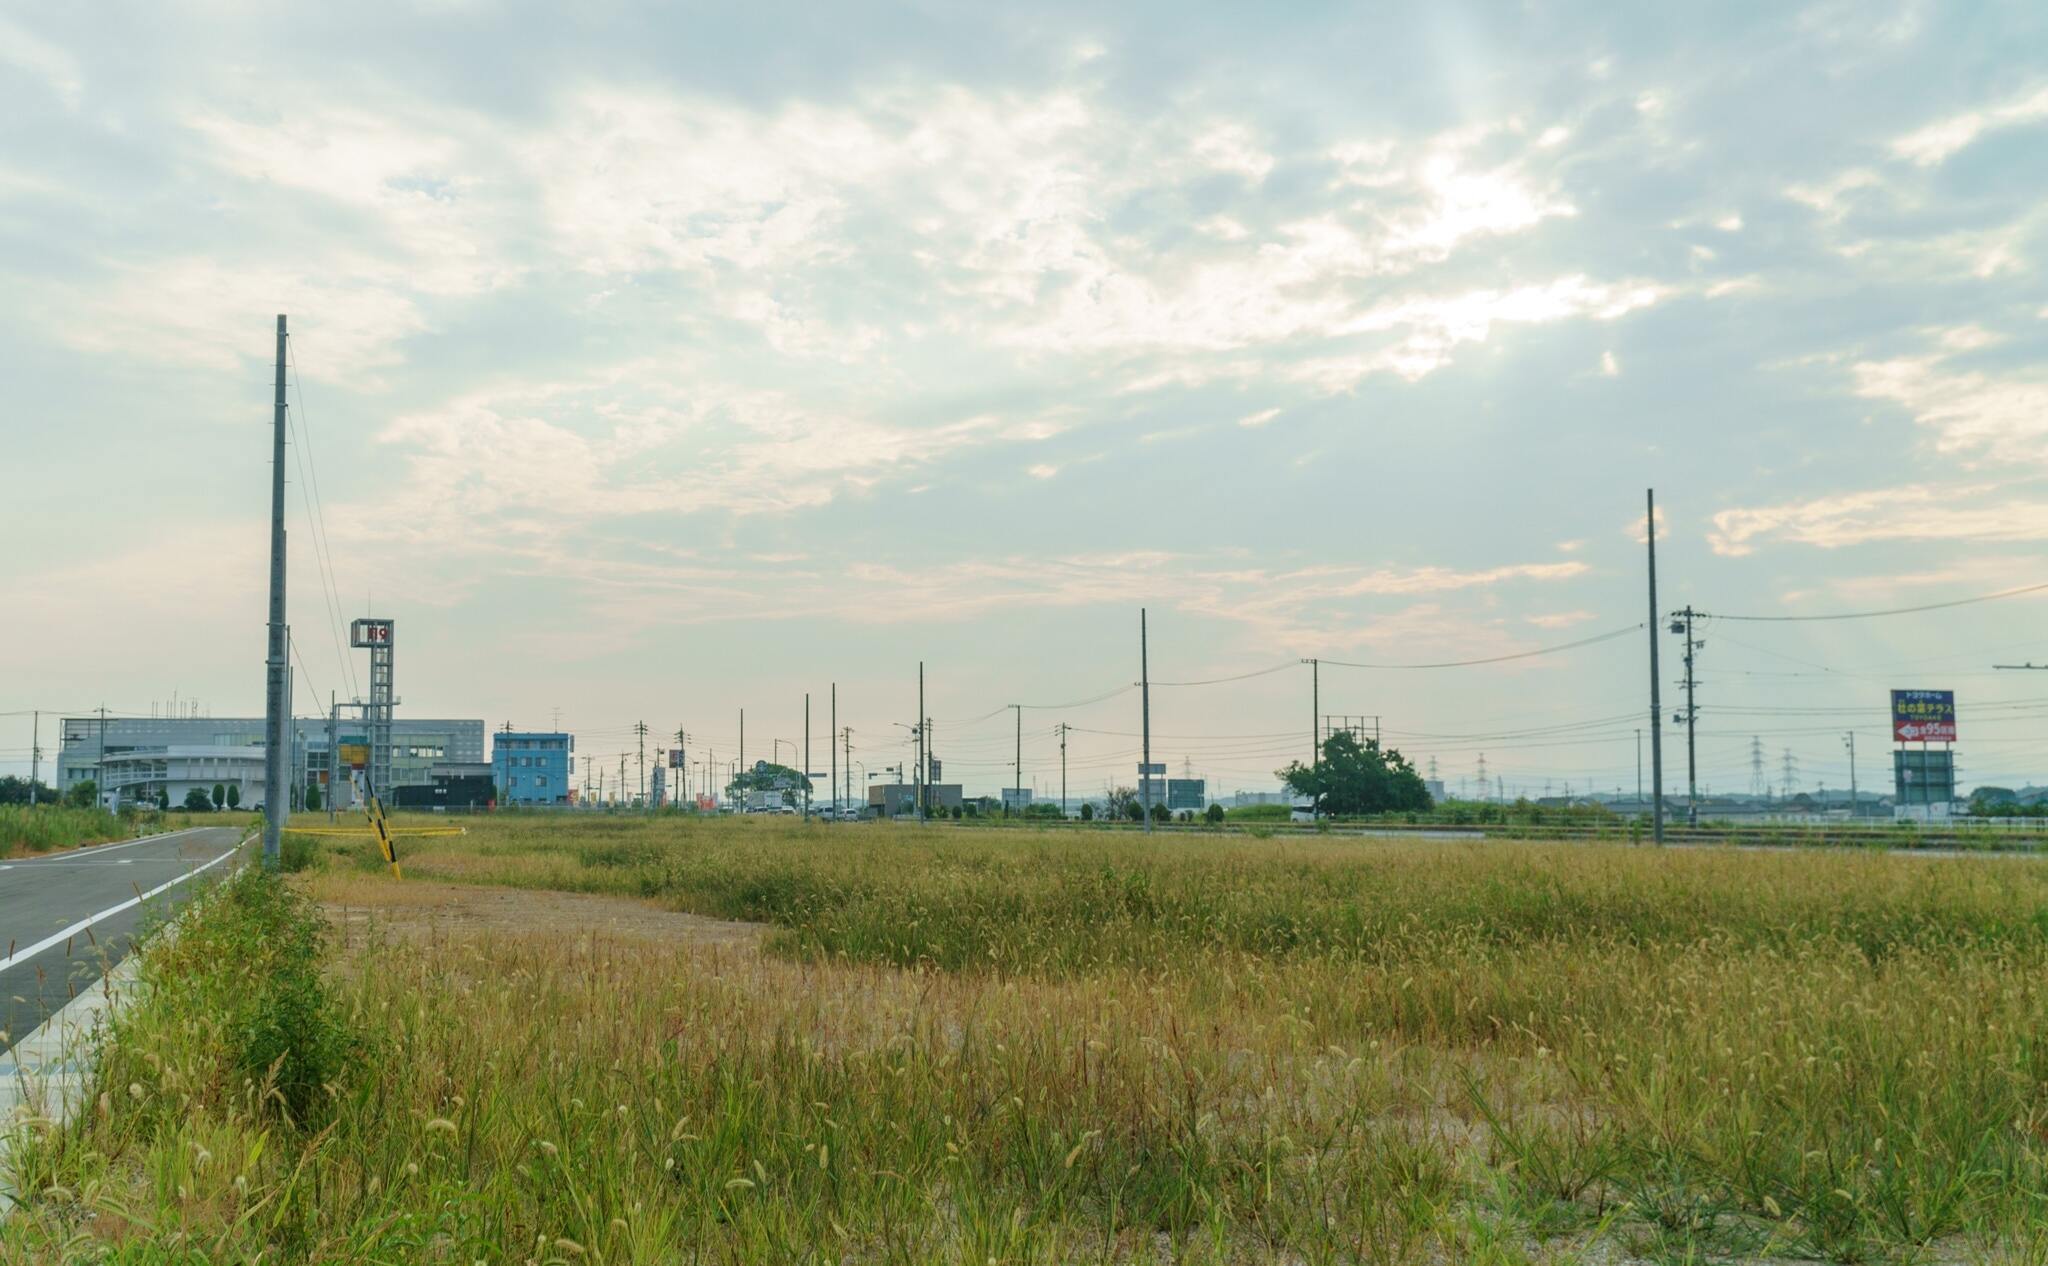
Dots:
pixel 1495 659
pixel 1867 615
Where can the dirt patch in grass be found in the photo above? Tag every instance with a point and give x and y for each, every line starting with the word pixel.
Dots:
pixel 357 905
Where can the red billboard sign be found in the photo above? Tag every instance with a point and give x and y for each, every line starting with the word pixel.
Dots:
pixel 1924 716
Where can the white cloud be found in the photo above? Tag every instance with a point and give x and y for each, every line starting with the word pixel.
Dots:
pixel 40 59
pixel 1609 367
pixel 2003 415
pixel 1940 140
pixel 1908 512
pixel 1260 418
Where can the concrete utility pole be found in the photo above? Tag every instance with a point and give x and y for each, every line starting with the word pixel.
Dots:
pixel 274 812
pixel 743 737
pixel 1018 798
pixel 807 755
pixel 333 709
pixel 683 761
pixel 1145 697
pixel 1063 770
pixel 920 786
pixel 1850 740
pixel 641 730
pixel 846 769
pixel 622 774
pixel 1682 621
pixel 831 736
pixel 1656 691
pixel 35 755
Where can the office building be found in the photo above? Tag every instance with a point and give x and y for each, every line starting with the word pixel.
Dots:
pixel 533 766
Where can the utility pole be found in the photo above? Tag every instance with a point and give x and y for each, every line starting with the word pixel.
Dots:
pixel 640 729
pixel 743 736
pixel 1639 765
pixel 1145 695
pixel 1656 700
pixel 1850 740
pixel 683 761
pixel 1681 621
pixel 274 812
pixel 35 755
pixel 99 771
pixel 333 756
pixel 830 735
pixel 622 774
pixel 921 786
pixel 807 755
pixel 1063 770
pixel 1018 708
pixel 1315 722
pixel 586 779
pixel 846 767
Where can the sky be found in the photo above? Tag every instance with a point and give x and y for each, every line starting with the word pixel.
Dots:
pixel 656 362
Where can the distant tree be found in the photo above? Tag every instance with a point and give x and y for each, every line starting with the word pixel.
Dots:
pixel 234 795
pixel 163 798
pixel 1123 803
pixel 1356 777
pixel 83 795
pixel 1087 811
pixel 197 801
pixel 220 795
pixel 15 790
pixel 312 796
pixel 956 813
pixel 1160 813
pixel 1214 815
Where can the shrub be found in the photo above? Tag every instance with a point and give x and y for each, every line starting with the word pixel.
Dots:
pixel 294 852
pixel 197 801
pixel 1087 811
pixel 1214 814
pixel 246 965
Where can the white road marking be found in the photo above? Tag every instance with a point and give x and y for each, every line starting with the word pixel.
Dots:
pixel 130 903
pixel 96 849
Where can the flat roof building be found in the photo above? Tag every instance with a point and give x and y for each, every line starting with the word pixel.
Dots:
pixel 417 744
pixel 534 766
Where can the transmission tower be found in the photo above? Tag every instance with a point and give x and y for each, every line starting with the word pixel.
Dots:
pixel 1757 786
pixel 1791 763
pixel 1482 776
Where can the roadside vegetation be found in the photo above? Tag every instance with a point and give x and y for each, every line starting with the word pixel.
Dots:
pixel 1049 1046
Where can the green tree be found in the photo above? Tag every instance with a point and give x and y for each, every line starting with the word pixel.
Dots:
pixel 1123 803
pixel 1357 777
pixel 163 798
pixel 1087 810
pixel 1160 813
pixel 312 796
pixel 220 795
pixel 15 790
pixel 234 795
pixel 83 795
pixel 1215 815
pixel 197 801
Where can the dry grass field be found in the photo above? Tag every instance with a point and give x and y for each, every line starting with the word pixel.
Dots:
pixel 632 1040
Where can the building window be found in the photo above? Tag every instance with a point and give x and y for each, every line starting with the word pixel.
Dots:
pixel 540 780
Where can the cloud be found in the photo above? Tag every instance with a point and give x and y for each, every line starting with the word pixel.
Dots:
pixel 1906 512
pixel 2003 415
pixel 1258 419
pixel 36 57
pixel 1938 141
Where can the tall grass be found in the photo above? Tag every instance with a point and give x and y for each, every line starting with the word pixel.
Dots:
pixel 1014 1048
pixel 44 827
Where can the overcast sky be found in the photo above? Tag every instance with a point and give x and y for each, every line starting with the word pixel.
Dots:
pixel 660 364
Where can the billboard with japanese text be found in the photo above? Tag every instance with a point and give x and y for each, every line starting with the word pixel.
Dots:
pixel 1924 716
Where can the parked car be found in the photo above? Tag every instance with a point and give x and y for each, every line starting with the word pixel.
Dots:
pixel 1301 813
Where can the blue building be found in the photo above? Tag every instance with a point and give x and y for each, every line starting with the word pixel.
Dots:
pixel 533 767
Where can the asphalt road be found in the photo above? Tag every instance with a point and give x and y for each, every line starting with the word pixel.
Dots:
pixel 65 918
